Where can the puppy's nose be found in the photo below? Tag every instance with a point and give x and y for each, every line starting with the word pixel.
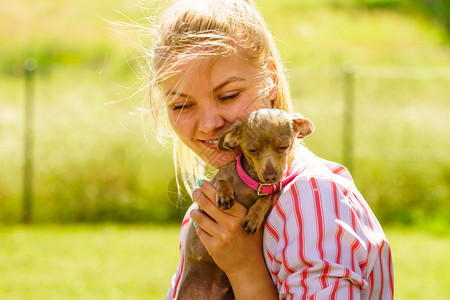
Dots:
pixel 270 178
pixel 269 175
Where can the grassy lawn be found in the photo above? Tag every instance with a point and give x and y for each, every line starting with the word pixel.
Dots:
pixel 81 262
pixel 137 262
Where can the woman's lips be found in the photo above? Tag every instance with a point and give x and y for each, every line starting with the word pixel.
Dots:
pixel 211 144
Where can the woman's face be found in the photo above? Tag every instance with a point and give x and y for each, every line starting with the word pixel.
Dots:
pixel 204 98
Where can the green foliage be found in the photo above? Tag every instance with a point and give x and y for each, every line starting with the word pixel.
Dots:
pixel 437 11
pixel 380 3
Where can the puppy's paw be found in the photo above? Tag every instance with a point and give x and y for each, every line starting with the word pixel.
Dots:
pixel 225 199
pixel 225 194
pixel 251 224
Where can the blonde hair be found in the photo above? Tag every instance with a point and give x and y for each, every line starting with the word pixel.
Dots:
pixel 209 28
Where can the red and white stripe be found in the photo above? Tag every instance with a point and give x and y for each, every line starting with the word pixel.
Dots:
pixel 321 239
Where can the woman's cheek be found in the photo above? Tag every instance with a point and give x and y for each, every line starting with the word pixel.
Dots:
pixel 248 105
pixel 175 118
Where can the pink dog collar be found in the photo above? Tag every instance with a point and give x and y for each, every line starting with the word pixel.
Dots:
pixel 263 189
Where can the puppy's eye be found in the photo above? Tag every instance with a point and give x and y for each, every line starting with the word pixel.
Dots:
pixel 252 150
pixel 284 147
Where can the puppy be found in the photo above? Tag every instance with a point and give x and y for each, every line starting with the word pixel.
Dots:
pixel 265 140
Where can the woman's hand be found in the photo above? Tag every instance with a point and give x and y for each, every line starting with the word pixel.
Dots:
pixel 237 253
pixel 221 231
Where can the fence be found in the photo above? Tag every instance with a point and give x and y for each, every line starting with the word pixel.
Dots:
pixel 30 68
pixel 381 109
pixel 390 73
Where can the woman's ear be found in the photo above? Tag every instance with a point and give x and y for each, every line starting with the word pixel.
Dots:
pixel 229 138
pixel 302 126
pixel 271 67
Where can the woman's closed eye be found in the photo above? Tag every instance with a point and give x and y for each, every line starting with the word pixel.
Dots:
pixel 229 95
pixel 180 106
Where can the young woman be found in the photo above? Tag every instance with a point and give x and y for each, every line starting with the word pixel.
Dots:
pixel 213 62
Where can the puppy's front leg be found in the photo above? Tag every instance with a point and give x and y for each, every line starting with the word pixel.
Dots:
pixel 256 214
pixel 225 194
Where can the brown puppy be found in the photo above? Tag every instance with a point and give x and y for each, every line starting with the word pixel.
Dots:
pixel 266 139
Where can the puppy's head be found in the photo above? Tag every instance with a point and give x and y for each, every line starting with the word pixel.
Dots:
pixel 266 138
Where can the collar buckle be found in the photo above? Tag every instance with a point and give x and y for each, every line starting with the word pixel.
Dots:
pixel 261 185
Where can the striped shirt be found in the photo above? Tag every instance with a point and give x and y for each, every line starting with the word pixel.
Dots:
pixel 321 239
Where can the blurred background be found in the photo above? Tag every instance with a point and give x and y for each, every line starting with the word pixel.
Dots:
pixel 77 145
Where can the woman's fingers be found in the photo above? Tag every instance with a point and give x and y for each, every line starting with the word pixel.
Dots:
pixel 221 231
pixel 209 190
pixel 203 221
pixel 206 204
pixel 204 237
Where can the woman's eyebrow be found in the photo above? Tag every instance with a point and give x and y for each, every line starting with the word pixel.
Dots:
pixel 227 81
pixel 175 93
pixel 218 87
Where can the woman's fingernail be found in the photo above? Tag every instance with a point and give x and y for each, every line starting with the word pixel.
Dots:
pixel 195 225
pixel 200 182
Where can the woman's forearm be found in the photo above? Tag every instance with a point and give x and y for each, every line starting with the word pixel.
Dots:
pixel 253 282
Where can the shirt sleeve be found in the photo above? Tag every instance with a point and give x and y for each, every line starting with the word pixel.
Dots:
pixel 323 241
pixel 177 276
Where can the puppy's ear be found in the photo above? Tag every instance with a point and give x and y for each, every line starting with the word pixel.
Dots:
pixel 302 126
pixel 229 138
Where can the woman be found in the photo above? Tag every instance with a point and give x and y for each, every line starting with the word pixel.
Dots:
pixel 213 62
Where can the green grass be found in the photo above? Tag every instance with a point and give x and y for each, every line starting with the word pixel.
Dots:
pixel 421 263
pixel 137 262
pixel 81 262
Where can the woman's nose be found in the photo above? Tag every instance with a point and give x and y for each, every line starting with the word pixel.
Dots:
pixel 210 119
